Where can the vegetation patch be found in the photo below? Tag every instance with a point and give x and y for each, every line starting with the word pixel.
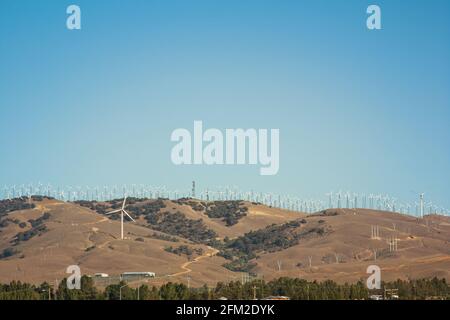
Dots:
pixel 295 289
pixel 178 225
pixel 37 228
pixel 148 208
pixel 134 205
pixel 7 206
pixel 27 235
pixel 41 198
pixel 270 239
pixel 164 237
pixel 5 222
pixel 195 205
pixel 8 252
pixel 240 265
pixel 229 211
pixel 325 213
pixel 184 250
pixel 173 224
pixel 40 220
pixel 100 207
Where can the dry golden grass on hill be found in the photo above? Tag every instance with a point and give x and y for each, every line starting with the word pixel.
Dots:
pixel 74 234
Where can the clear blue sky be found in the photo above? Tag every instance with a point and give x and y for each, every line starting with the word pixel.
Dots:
pixel 359 110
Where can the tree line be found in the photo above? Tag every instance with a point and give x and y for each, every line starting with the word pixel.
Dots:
pixel 297 289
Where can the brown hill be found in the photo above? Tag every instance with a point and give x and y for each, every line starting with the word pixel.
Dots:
pixel 38 244
pixel 345 252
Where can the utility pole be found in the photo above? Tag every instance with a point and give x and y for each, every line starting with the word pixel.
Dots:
pixel 393 244
pixel 49 293
pixel 120 291
pixel 193 189
pixel 375 232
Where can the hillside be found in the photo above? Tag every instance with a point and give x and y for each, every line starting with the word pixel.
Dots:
pixel 214 241
pixel 343 254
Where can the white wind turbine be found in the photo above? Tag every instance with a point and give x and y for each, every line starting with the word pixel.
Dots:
pixel 421 204
pixel 330 199
pixel 122 211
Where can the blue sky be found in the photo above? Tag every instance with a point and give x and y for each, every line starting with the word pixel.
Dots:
pixel 359 110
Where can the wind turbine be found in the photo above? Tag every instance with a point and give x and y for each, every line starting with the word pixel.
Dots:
pixel 347 198
pixel 122 211
pixel 339 199
pixel 330 199
pixel 421 204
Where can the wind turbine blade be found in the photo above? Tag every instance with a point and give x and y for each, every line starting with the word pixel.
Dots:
pixel 115 211
pixel 123 204
pixel 128 215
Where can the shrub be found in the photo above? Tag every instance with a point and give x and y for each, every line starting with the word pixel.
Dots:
pixel 8 252
pixel 230 211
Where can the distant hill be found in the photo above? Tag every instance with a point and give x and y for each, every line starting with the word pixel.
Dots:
pixel 215 241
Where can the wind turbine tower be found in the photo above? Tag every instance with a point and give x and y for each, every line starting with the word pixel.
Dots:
pixel 339 200
pixel 122 212
pixel 347 198
pixel 421 205
pixel 330 197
